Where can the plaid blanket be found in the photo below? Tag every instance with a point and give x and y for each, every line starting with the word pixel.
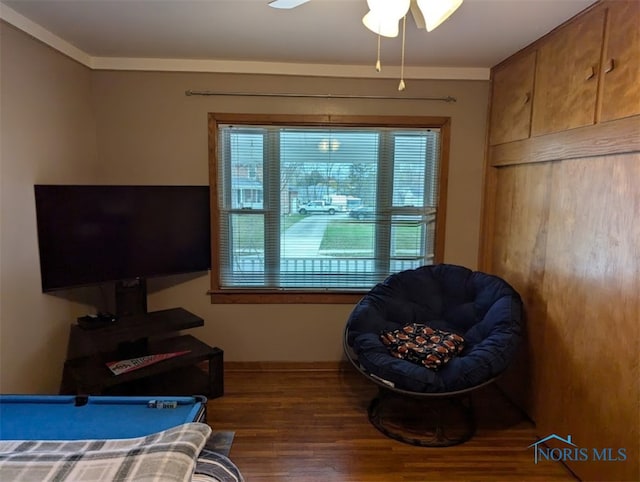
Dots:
pixel 165 456
pixel 214 467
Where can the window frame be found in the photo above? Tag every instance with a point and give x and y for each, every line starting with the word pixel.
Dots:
pixel 291 296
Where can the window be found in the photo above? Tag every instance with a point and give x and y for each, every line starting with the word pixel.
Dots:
pixel 320 210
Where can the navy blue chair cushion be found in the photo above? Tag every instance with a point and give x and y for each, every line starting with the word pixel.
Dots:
pixel 482 308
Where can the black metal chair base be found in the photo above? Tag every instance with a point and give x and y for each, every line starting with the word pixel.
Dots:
pixel 426 421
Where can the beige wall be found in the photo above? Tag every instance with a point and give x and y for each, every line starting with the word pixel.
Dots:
pixel 47 135
pixel 150 132
pixel 66 124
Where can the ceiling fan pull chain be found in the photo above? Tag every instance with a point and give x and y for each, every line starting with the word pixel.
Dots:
pixel 378 68
pixel 401 85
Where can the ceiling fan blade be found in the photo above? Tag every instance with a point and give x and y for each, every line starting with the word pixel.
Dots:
pixel 286 4
pixel 417 15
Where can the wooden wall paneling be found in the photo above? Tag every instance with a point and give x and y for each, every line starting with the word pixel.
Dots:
pixel 487 218
pixel 562 224
pixel 567 76
pixel 521 213
pixel 620 96
pixel 614 137
pixel 512 97
pixel 588 386
pixel 487 201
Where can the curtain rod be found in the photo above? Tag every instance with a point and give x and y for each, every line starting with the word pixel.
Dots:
pixel 315 96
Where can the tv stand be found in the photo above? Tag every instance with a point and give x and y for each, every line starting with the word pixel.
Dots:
pixel 86 372
pixel 131 297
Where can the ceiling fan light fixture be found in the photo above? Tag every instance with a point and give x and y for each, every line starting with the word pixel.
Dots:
pixel 380 25
pixel 437 11
pixel 384 15
pixel 389 9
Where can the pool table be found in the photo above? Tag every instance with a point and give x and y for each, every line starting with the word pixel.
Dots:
pixel 72 417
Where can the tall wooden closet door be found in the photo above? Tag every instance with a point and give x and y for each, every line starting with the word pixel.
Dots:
pixel 591 287
pixel 519 244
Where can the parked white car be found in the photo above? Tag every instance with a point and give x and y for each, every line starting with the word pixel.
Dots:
pixel 317 207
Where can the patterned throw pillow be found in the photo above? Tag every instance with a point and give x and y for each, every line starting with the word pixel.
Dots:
pixel 423 345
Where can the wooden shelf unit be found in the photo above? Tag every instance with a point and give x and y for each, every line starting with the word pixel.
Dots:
pixel 86 372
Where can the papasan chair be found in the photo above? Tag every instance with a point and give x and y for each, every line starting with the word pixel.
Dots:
pixel 429 337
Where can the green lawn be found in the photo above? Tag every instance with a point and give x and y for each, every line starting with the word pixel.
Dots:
pixel 359 236
pixel 248 229
pixel 341 235
pixel 348 236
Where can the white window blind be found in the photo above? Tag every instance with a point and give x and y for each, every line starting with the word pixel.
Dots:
pixel 324 209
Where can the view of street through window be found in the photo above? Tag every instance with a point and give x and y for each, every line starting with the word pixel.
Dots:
pixel 327 202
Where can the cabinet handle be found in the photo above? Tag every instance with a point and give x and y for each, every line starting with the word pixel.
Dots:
pixel 527 97
pixel 591 73
pixel 611 64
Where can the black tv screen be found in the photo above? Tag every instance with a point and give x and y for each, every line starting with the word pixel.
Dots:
pixel 93 234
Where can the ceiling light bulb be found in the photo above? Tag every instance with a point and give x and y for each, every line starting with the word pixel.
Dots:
pixel 382 26
pixel 437 11
pixel 389 9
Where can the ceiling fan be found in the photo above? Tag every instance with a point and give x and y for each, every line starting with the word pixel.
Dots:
pixel 384 14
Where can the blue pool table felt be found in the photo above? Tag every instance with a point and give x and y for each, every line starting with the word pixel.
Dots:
pixel 56 417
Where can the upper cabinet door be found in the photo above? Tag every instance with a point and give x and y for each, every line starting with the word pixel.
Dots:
pixel 567 76
pixel 621 62
pixel 512 97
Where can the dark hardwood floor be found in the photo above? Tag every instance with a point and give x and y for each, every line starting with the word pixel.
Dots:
pixel 311 425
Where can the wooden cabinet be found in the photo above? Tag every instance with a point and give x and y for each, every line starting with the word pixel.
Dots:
pixel 558 224
pixel 512 99
pixel 567 76
pixel 585 72
pixel 620 96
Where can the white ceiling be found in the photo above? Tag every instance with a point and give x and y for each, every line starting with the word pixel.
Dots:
pixel 108 33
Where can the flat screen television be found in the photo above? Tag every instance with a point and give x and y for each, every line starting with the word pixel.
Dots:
pixel 89 235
